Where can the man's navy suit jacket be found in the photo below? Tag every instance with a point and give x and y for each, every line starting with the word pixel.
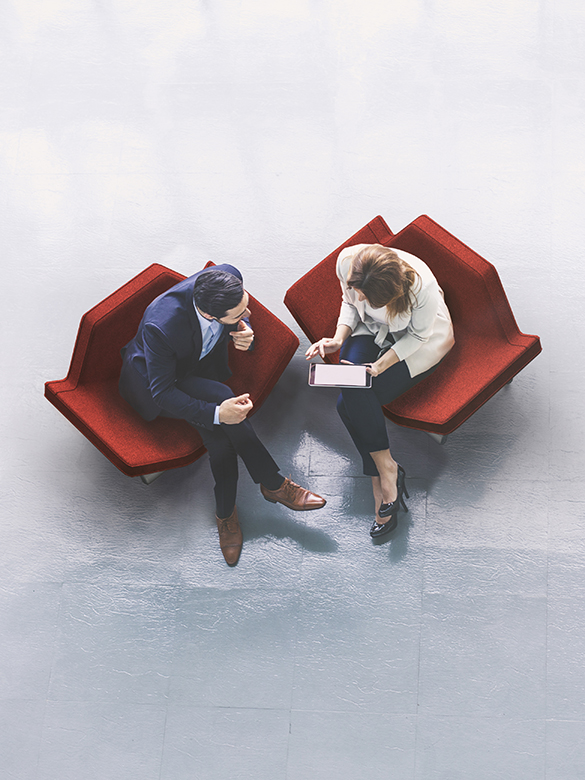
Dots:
pixel 167 349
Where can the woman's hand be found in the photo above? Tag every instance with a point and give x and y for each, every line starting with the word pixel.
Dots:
pixel 323 347
pixel 372 368
pixel 384 362
pixel 375 369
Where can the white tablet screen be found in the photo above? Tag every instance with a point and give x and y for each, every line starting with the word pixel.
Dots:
pixel 340 375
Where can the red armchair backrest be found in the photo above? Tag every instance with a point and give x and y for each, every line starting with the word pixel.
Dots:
pixel 105 329
pixel 319 291
pixel 473 291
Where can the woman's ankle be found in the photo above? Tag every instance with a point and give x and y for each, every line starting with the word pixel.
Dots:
pixel 389 488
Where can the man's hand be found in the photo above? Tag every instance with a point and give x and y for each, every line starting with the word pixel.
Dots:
pixel 243 336
pixel 234 410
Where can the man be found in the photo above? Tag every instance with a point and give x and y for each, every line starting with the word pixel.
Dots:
pixel 176 365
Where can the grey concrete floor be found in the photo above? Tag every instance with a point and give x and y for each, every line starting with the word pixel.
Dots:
pixel 264 133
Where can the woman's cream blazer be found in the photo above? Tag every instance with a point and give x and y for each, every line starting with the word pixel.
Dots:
pixel 420 337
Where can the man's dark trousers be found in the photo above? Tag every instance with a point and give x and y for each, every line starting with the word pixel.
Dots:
pixel 225 442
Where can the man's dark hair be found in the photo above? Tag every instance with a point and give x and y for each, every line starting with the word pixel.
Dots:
pixel 215 292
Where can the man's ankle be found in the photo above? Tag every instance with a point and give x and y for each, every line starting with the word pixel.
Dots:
pixel 275 482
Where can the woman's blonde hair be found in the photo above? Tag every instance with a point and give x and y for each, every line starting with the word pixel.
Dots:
pixel 385 280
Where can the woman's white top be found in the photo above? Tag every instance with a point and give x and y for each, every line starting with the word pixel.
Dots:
pixel 422 336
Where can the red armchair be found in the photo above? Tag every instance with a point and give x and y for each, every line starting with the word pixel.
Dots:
pixel 89 396
pixel 489 348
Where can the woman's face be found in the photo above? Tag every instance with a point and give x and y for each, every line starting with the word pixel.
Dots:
pixel 360 295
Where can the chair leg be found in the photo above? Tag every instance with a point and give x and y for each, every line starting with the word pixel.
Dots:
pixel 148 478
pixel 438 437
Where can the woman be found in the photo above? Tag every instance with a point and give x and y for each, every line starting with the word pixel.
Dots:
pixel 394 320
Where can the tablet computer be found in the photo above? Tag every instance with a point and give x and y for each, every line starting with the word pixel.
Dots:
pixel 340 375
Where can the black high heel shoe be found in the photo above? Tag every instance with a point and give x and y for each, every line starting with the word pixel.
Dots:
pixel 391 510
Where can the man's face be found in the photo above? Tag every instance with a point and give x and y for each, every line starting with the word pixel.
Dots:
pixel 233 316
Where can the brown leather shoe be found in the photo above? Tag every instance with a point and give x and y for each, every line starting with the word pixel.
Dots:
pixel 230 537
pixel 293 496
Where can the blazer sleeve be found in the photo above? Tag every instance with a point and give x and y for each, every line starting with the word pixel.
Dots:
pixel 161 367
